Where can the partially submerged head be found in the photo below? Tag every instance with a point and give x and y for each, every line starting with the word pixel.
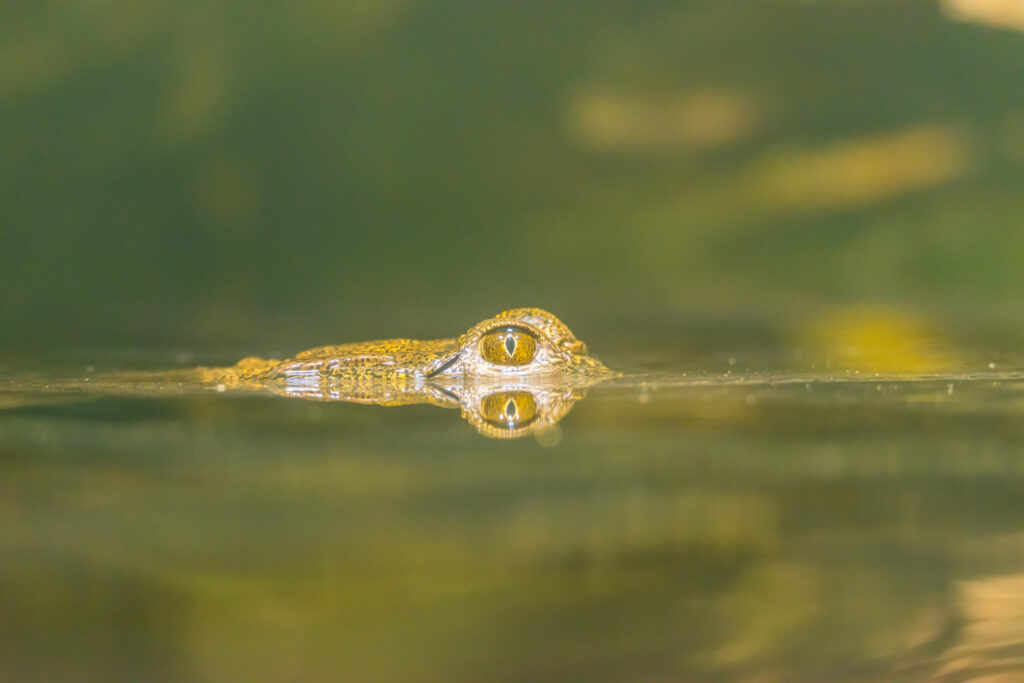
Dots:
pixel 520 342
pixel 515 374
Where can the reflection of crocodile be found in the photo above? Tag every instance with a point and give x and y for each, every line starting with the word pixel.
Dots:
pixel 499 410
pixel 513 374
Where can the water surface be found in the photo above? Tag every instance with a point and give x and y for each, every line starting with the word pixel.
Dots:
pixel 745 512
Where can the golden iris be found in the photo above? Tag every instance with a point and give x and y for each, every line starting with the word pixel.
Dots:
pixel 508 346
pixel 509 409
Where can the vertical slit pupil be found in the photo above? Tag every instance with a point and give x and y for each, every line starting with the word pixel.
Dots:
pixel 510 344
pixel 510 409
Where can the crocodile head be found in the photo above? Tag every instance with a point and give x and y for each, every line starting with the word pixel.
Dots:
pixel 514 374
pixel 516 343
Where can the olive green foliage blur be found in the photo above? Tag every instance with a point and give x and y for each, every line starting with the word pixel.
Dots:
pixel 214 171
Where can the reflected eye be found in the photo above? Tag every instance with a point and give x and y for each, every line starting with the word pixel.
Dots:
pixel 509 409
pixel 508 346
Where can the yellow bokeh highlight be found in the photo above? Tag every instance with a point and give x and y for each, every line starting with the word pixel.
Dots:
pixel 998 13
pixel 991 638
pixel 864 170
pixel 701 119
pixel 880 340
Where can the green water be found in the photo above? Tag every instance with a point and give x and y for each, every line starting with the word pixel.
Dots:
pixel 741 513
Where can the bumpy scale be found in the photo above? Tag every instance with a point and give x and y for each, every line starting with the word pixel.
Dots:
pixel 514 346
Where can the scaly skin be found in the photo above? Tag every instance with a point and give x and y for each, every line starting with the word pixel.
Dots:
pixel 499 400
pixel 400 371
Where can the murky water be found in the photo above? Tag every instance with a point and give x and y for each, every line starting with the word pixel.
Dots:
pixel 794 227
pixel 743 513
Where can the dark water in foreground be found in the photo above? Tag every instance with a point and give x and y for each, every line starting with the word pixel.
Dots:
pixel 731 520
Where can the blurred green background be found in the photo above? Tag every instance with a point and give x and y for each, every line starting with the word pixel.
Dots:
pixel 214 172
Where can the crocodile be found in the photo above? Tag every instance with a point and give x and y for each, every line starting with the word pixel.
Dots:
pixel 513 374
pixel 518 343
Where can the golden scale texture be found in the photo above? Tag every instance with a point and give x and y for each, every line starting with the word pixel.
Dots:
pixel 543 373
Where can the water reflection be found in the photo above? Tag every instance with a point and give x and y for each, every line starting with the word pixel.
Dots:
pixel 497 410
pixel 738 522
pixel 990 641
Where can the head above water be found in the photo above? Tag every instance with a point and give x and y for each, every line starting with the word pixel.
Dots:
pixel 519 344
pixel 516 343
pixel 514 374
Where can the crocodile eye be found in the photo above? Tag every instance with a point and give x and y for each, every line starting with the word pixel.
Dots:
pixel 509 409
pixel 508 346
